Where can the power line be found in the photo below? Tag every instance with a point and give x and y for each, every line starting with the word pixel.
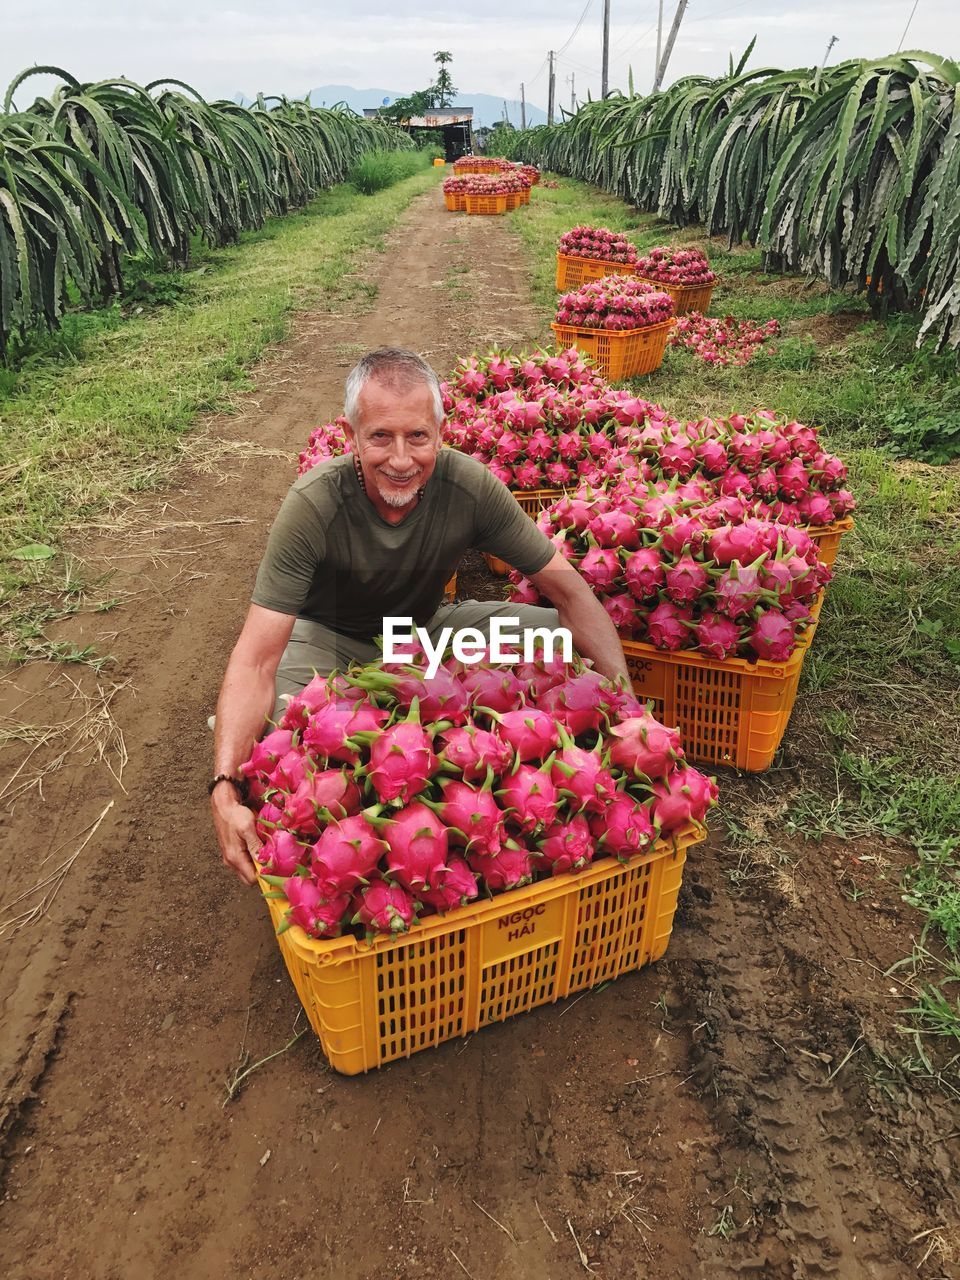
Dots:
pixel 630 48
pixel 543 67
pixel 580 66
pixel 907 27
pixel 586 10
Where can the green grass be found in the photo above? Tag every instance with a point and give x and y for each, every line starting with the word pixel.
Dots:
pixel 883 676
pixel 97 411
pixel 377 170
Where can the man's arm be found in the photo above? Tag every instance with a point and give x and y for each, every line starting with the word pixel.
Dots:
pixel 594 635
pixel 246 700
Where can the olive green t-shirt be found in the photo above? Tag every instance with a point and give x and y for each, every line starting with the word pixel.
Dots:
pixel 333 559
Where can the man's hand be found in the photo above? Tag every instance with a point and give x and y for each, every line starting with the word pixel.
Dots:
pixel 236 832
pixel 246 699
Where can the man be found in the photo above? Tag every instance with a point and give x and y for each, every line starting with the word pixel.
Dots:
pixel 374 534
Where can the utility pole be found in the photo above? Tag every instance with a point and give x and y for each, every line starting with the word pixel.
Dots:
pixel 550 90
pixel 506 114
pixel 605 63
pixel 523 109
pixel 831 42
pixel 671 40
pixel 573 96
pixel 656 65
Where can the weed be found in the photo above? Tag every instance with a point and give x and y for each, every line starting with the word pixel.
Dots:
pixel 725 1225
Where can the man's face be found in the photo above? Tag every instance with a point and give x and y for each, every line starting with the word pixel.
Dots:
pixel 396 437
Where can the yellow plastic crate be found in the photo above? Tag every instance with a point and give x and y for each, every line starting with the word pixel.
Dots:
pixel 573 271
pixel 532 500
pixel 827 537
pixel 450 590
pixel 486 204
pixel 729 711
pixel 456 201
pixel 438 163
pixel 618 354
pixel 686 297
pixel 453 974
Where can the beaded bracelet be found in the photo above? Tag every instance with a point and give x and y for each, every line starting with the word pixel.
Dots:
pixel 239 783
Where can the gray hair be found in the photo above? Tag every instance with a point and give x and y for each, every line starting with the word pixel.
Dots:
pixel 396 367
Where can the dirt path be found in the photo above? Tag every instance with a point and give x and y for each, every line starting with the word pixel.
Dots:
pixel 694 1119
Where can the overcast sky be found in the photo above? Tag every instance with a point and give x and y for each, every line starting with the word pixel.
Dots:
pixel 291 46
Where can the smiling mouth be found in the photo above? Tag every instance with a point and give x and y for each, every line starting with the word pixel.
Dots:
pixel 401 480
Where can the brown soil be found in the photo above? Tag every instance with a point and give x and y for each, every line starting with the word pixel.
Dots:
pixel 725 1112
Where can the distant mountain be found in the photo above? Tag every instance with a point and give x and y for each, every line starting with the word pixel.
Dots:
pixel 486 108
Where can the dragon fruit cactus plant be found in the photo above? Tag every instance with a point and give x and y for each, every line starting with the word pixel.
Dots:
pixel 402 817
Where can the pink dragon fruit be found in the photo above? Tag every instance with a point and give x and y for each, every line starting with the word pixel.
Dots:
pixel 580 703
pixel 289 771
pixel 329 729
pixel 686 580
pixel 567 846
pixel 346 854
pixel 581 778
pixel 600 567
pixel 614 529
pixel 644 572
pixel 717 636
pixel 529 731
pixel 686 533
pixel 418 847
pixel 509 868
pixel 319 797
pixel 281 854
pixel 644 748
pixel 384 908
pixel 458 886
pixel 402 761
pixel 622 611
pixel 624 828
pixel 317 915
pixel 472 817
pixel 494 687
pixel 267 752
pixel 742 542
pixel 794 481
pixel 668 626
pixel 683 796
pixel 529 797
pixel 473 751
pixel 738 589
pixel 773 636
pixel 539 445
pixel 527 475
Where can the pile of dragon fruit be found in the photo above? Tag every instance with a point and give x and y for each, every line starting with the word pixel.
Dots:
pixel 551 421
pixel 687 267
pixel 481 164
pixel 671 571
pixel 505 183
pixel 383 796
pixel 616 303
pixel 722 342
pixel 326 441
pixel 530 171
pixel 744 465
pixel 597 242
